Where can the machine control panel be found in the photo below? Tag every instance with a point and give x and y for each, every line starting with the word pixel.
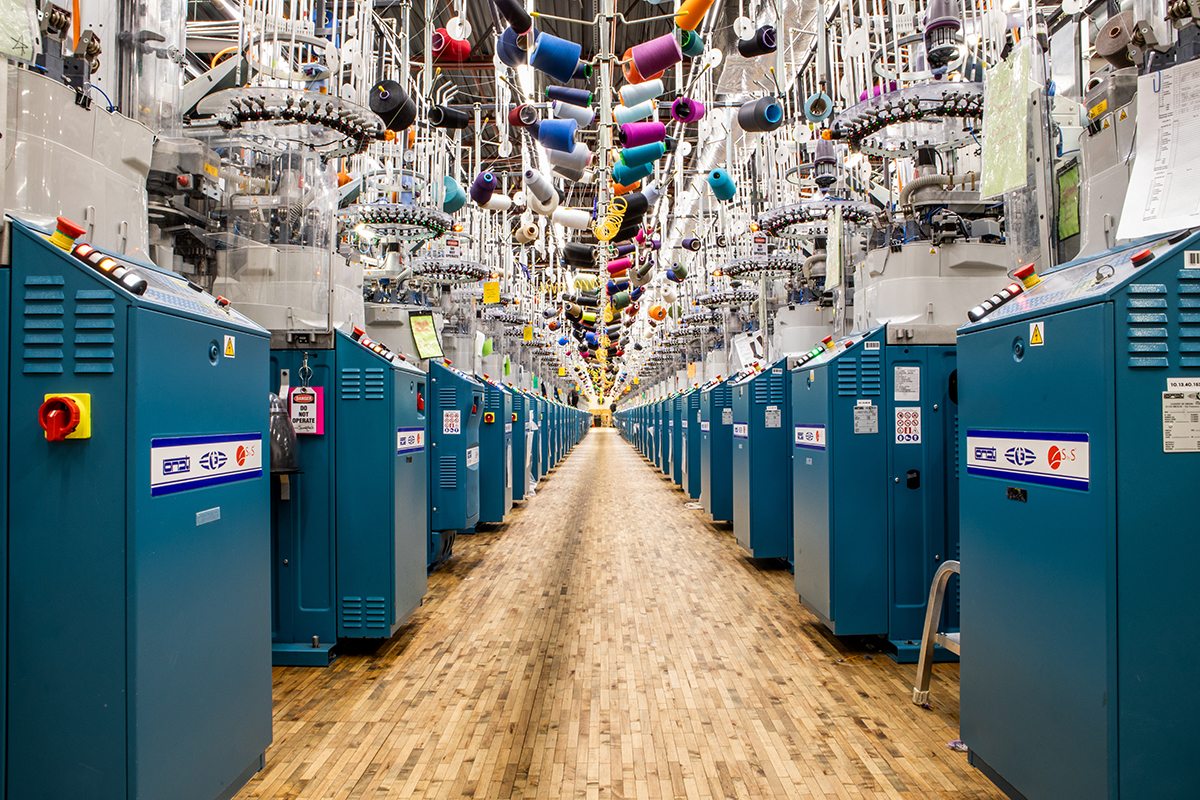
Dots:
pixel 1094 277
pixel 149 283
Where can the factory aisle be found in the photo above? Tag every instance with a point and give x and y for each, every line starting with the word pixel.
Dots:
pixel 608 642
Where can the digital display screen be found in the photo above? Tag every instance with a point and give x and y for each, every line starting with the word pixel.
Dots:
pixel 1068 202
pixel 425 334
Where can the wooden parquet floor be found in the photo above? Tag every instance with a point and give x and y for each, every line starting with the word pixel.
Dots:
pixel 608 642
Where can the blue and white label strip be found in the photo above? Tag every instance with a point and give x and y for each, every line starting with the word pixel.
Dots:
pixel 810 436
pixel 1050 459
pixel 410 440
pixel 180 463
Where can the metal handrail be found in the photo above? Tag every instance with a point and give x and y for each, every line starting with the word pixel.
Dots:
pixel 930 636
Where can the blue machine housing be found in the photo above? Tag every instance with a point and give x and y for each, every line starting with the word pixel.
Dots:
pixel 675 423
pixel 455 410
pixel 875 493
pixel 6 302
pixel 1079 549
pixel 689 423
pixel 495 453
pixel 349 543
pixel 138 663
pixel 546 436
pixel 536 468
pixel 762 518
pixel 520 444
pixel 665 434
pixel 716 450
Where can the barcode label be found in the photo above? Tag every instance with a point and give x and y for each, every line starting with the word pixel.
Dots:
pixel 1191 258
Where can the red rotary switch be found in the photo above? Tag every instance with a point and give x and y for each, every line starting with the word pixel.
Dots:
pixel 59 417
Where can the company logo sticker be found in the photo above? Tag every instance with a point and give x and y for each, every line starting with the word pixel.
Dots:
pixel 810 436
pixel 212 460
pixel 410 440
pixel 1021 456
pixel 1062 460
pixel 220 459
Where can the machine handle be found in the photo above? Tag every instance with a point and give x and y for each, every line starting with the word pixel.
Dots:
pixel 913 479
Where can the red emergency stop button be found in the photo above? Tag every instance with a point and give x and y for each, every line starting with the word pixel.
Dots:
pixel 65 233
pixel 1141 257
pixel 420 402
pixel 489 417
pixel 59 417
pixel 1028 276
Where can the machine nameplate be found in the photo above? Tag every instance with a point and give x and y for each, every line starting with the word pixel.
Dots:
pixel 1181 422
pixel 741 430
pixel 704 427
pixel 810 436
pixel 180 463
pixel 1051 459
pixel 907 384
pixel 410 440
pixel 726 416
pixel 472 456
pixel 866 418
pixel 772 417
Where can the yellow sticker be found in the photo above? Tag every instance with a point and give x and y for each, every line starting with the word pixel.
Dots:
pixel 491 293
pixel 1098 109
pixel 211 170
pixel 1124 115
pixel 230 347
pixel 1037 334
pixel 562 372
pixel 1105 125
pixel 527 333
pixel 691 369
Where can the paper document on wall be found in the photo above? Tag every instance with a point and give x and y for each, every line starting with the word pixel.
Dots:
pixel 1164 188
pixel 833 250
pixel 1006 124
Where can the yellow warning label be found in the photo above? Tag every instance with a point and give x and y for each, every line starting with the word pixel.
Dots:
pixel 211 170
pixel 1106 124
pixel 1037 335
pixel 491 293
pixel 527 333
pixel 1124 115
pixel 230 347
pixel 1098 109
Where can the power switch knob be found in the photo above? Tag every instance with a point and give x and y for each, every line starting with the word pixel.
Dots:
pixel 59 417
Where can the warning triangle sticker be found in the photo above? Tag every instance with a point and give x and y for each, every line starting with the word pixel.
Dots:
pixel 1035 335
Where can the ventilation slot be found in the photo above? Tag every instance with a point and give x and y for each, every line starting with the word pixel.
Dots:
pixel 447 397
pixel 871 375
pixel 847 377
pixel 350 386
pixel 352 613
pixel 43 325
pixel 95 324
pixel 1189 318
pixel 448 473
pixel 1147 332
pixel 492 401
pixel 376 613
pixel 375 383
